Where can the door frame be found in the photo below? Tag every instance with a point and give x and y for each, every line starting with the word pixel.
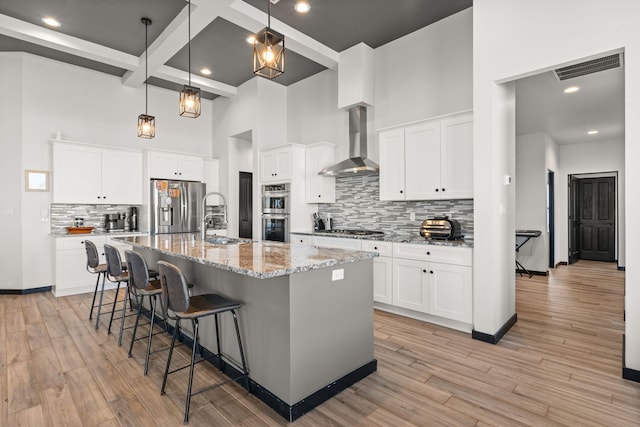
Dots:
pixel 551 223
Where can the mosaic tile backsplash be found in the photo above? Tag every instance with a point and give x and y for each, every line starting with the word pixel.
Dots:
pixel 63 215
pixel 358 206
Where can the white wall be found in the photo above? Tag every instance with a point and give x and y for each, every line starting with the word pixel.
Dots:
pixel 86 106
pixel 513 40
pixel 590 157
pixel 531 199
pixel 11 170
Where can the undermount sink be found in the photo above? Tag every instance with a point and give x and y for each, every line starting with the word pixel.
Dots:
pixel 221 240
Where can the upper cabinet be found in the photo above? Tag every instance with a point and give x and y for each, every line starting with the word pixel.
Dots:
pixel 428 160
pixel 320 189
pixel 93 175
pixel 165 165
pixel 276 164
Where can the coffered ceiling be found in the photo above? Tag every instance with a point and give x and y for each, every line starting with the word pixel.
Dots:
pixel 108 36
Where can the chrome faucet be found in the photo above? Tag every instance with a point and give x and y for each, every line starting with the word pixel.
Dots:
pixel 205 216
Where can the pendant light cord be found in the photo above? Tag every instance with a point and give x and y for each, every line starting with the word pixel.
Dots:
pixel 189 42
pixel 146 67
pixel 269 13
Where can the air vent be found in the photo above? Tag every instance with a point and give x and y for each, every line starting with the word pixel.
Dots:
pixel 588 67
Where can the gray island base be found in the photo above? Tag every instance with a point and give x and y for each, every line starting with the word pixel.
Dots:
pixel 307 319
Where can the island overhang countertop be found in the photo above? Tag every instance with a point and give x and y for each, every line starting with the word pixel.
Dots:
pixel 258 259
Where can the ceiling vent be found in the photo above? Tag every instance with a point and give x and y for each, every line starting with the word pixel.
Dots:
pixel 588 67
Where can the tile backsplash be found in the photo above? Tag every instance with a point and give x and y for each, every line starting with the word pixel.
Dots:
pixel 358 205
pixel 63 215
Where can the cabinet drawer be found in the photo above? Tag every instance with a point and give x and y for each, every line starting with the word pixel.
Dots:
pixel 433 253
pixel 301 238
pixel 336 242
pixel 383 248
pixel 67 243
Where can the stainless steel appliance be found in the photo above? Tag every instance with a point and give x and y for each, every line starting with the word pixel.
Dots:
pixel 113 222
pixel 275 198
pixel 176 206
pixel 442 228
pixel 275 212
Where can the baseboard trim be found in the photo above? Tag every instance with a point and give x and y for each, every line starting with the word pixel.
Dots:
pixel 561 263
pixel 628 373
pixel 494 339
pixel 621 268
pixel 289 412
pixel 25 291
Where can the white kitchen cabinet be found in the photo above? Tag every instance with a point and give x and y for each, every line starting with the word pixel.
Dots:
pixel 382 270
pixel 276 163
pixel 183 167
pixel 320 189
pixel 433 279
pixel 428 160
pixel 337 242
pixel 70 267
pixel 305 239
pixel 94 175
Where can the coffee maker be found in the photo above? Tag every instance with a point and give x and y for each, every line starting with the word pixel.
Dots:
pixel 113 222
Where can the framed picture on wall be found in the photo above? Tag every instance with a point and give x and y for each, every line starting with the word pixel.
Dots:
pixel 36 180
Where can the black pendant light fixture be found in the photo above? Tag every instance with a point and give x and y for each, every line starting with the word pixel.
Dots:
pixel 190 95
pixel 146 123
pixel 268 50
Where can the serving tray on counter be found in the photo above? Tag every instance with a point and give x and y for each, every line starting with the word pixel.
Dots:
pixel 79 230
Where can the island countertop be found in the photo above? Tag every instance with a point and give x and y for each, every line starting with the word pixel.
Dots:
pixel 258 259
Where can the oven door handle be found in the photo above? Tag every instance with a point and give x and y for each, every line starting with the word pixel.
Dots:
pixel 272 216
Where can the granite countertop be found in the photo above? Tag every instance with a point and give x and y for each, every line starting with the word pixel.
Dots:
pixel 396 238
pixel 261 260
pixel 100 233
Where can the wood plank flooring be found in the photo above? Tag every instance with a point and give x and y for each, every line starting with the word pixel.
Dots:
pixel 559 365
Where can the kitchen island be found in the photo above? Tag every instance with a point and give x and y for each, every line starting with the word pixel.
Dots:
pixel 307 319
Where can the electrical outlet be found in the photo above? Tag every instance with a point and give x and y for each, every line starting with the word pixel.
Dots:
pixel 412 216
pixel 337 274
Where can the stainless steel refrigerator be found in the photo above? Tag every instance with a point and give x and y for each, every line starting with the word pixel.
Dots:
pixel 176 206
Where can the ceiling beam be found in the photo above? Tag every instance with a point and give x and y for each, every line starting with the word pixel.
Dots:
pixel 182 77
pixel 46 37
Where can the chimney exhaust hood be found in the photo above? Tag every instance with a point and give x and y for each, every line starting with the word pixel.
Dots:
pixel 357 163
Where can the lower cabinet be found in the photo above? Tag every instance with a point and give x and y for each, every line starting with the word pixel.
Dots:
pixel 70 267
pixel 382 270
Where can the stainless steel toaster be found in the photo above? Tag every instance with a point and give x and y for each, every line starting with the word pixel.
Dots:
pixel 441 228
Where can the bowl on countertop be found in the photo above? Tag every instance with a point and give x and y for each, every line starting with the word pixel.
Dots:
pixel 79 230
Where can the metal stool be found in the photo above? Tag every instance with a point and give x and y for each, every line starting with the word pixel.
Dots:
pixel 175 297
pixel 116 274
pixel 141 286
pixel 94 267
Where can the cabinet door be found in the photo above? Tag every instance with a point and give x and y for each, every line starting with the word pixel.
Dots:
pixel 383 280
pixel 456 175
pixel 392 155
pixel 422 161
pixel 191 168
pixel 319 189
pixel 121 177
pixel 283 164
pixel 71 275
pixel 450 291
pixel 163 165
pixel 267 167
pixel 410 284
pixel 76 174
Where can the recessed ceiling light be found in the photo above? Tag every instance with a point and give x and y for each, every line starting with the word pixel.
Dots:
pixel 52 22
pixel 592 132
pixel 251 39
pixel 571 89
pixel 302 7
pixel 205 71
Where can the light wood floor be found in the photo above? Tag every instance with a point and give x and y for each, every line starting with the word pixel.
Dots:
pixel 559 365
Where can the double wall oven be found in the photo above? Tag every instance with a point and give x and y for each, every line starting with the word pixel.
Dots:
pixel 275 212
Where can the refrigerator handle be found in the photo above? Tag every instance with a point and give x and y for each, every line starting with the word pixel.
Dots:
pixel 183 207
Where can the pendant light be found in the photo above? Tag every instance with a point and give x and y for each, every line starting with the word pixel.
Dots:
pixel 268 50
pixel 146 123
pixel 190 95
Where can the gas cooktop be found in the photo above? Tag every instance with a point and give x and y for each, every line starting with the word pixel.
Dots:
pixel 346 232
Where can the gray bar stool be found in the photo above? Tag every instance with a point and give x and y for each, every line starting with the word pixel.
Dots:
pixel 116 274
pixel 94 267
pixel 175 297
pixel 141 286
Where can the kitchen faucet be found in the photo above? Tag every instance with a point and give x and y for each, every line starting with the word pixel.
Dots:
pixel 205 216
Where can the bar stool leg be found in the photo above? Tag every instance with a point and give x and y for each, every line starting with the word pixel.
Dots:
pixel 135 326
pixel 113 308
pixel 173 342
pixel 124 313
pixel 215 316
pixel 195 324
pixel 153 303
pixel 104 276
pixel 95 291
pixel 244 364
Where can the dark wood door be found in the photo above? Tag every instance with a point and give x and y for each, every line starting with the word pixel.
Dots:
pixel 596 218
pixel 574 253
pixel 245 222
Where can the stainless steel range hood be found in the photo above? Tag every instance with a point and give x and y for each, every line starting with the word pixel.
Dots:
pixel 357 163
